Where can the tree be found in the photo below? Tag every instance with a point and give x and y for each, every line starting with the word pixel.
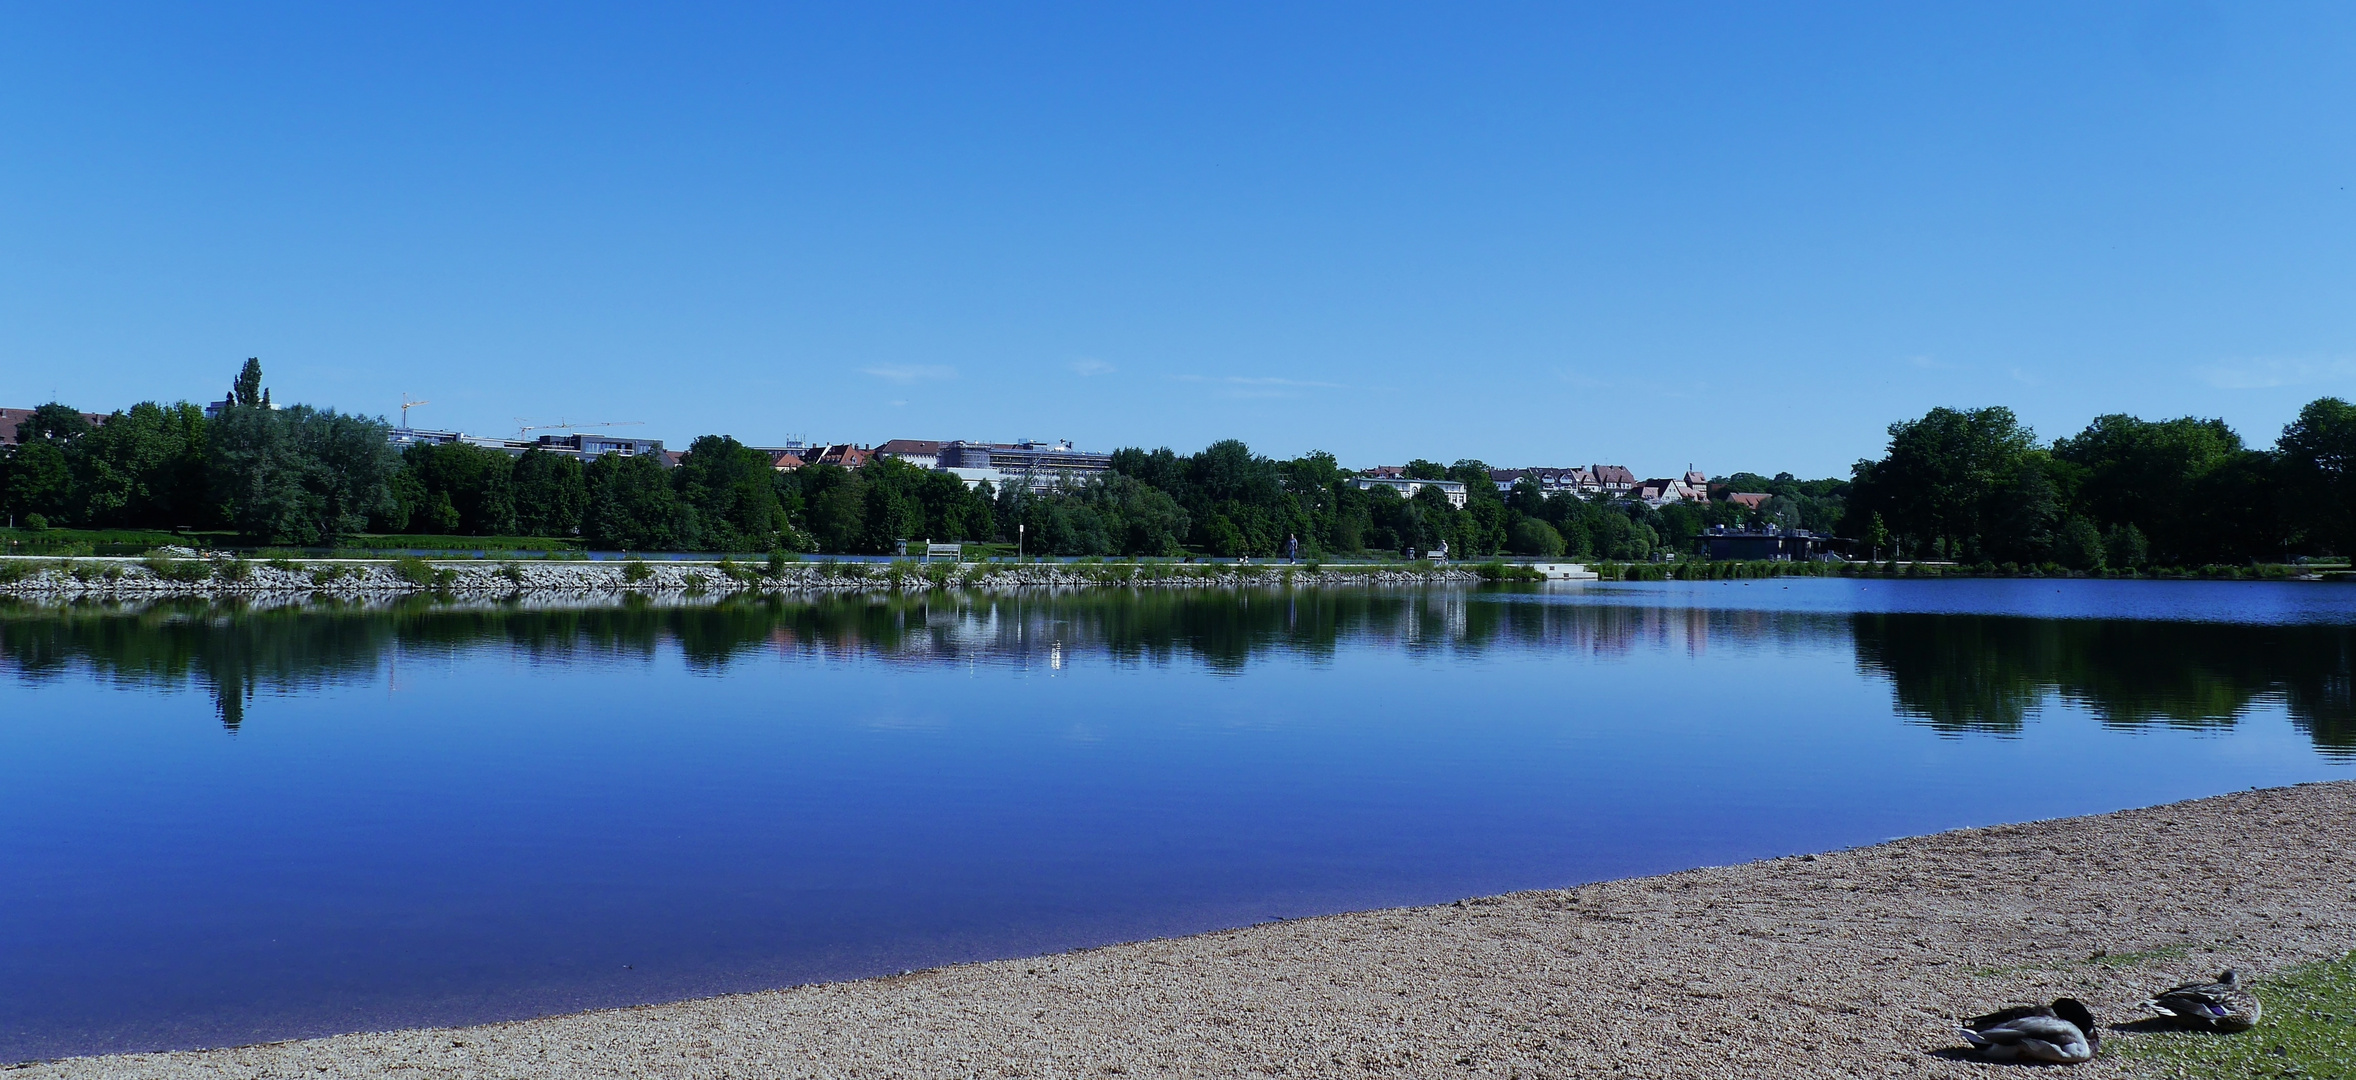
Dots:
pixel 2123 546
pixel 2318 452
pixel 837 501
pixel 247 390
pixel 38 481
pixel 2146 473
pixel 1534 537
pixel 727 488
pixel 1941 476
pixel 631 505
pixel 460 488
pixel 2079 546
pixel 551 493
pixel 143 468
pixel 298 475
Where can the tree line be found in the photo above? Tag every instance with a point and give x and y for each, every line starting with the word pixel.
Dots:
pixel 1964 485
pixel 1976 486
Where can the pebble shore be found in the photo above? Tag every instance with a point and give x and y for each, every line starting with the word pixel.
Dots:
pixel 1852 963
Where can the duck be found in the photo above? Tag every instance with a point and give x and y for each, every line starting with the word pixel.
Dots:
pixel 2223 1005
pixel 2063 1033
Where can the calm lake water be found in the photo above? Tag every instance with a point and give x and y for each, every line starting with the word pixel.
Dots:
pixel 231 825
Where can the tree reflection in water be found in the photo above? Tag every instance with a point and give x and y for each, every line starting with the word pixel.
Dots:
pixel 1955 673
pixel 1988 673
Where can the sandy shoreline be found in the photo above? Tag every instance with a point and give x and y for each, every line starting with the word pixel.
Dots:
pixel 1845 964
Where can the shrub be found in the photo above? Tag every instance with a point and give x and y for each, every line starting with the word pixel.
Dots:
pixel 423 574
pixel 635 570
pixel 232 570
pixel 284 565
pixel 695 584
pixel 777 561
pixel 14 570
pixel 36 523
pixel 512 573
pixel 187 571
pixel 327 575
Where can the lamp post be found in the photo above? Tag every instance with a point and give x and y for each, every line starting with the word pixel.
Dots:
pixel 1018 540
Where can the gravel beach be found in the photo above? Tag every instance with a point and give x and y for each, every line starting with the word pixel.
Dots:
pixel 1845 964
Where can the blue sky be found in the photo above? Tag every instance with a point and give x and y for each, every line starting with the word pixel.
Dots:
pixel 1743 236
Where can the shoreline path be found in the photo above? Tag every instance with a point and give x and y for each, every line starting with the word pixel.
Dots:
pixel 1845 964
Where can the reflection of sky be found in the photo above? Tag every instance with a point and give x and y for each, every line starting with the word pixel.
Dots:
pixel 2176 601
pixel 510 825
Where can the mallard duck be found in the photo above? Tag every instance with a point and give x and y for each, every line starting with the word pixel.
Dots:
pixel 2224 1005
pixel 2062 1033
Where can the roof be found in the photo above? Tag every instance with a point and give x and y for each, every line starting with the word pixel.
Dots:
pixel 1750 499
pixel 10 418
pixel 910 447
pixel 1612 474
pixel 785 461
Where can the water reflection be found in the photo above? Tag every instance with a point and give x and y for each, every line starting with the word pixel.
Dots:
pixel 1974 673
pixel 1957 673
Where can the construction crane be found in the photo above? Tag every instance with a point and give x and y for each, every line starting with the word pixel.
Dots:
pixel 525 428
pixel 407 405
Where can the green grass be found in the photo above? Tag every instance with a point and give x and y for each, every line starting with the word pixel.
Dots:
pixel 2308 1031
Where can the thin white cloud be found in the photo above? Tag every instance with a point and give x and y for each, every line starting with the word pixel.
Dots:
pixel 1085 367
pixel 2260 373
pixel 2025 377
pixel 905 374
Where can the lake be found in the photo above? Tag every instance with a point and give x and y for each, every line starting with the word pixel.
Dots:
pixel 235 824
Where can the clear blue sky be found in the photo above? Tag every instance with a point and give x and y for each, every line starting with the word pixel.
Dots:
pixel 1746 236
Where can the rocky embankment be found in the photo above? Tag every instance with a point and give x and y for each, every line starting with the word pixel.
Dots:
pixel 199 576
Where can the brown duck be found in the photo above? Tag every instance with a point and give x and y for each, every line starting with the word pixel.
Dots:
pixel 2224 1005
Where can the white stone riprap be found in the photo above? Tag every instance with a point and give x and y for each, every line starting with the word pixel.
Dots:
pixel 95 578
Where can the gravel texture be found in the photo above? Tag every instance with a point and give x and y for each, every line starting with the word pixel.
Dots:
pixel 1847 964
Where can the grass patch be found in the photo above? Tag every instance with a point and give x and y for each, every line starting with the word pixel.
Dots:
pixel 2308 1030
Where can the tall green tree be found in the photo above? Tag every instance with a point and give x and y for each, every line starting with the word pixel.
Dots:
pixel 2318 461
pixel 1943 477
pixel 460 488
pixel 144 468
pixel 298 475
pixel 632 506
pixel 727 488
pixel 551 493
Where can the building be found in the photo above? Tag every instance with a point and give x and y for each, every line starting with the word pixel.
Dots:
pixel 1611 479
pixel 585 446
pixel 847 455
pixel 1664 491
pixel 10 418
pixel 1770 544
pixel 1748 500
pixel 1550 480
pixel 1039 465
pixel 922 453
pixel 1453 489
pixel 1387 472
pixel 790 455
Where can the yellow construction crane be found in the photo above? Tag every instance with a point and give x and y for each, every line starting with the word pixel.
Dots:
pixel 407 405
